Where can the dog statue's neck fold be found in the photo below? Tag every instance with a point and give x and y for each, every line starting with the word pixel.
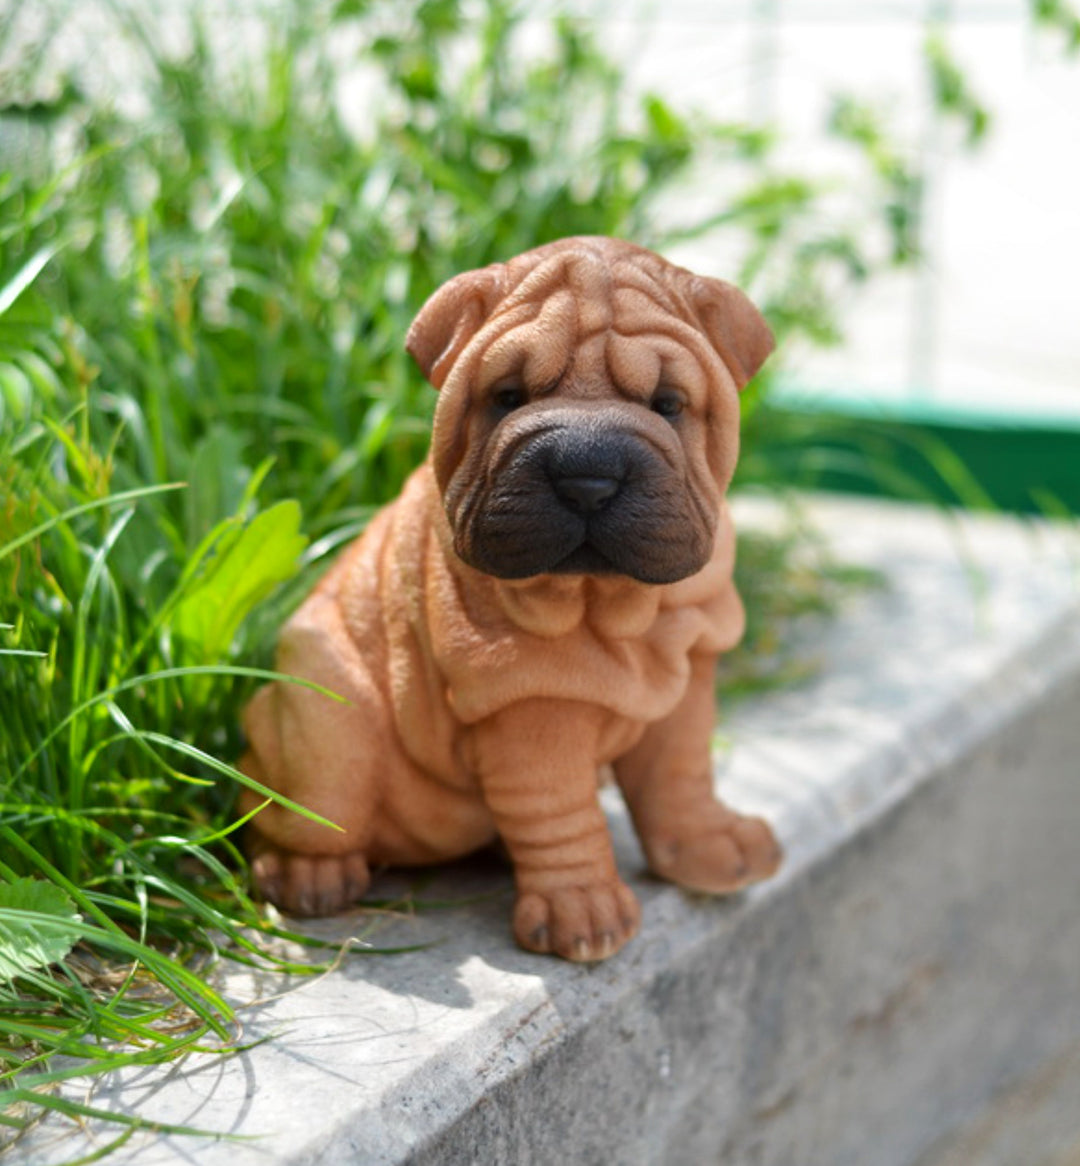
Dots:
pixel 556 605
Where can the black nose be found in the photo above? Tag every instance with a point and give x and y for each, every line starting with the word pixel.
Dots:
pixel 586 494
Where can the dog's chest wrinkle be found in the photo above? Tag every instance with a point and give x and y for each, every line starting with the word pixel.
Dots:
pixel 636 666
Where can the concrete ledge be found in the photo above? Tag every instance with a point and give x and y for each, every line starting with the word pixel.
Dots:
pixel 918 956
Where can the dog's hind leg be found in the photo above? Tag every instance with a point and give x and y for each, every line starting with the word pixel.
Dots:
pixel 320 752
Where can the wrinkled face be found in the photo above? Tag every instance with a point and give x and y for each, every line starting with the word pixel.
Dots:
pixel 585 426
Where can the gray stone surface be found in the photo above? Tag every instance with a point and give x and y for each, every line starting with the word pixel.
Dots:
pixel 1032 1122
pixel 917 958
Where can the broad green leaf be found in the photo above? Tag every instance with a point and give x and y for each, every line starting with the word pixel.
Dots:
pixel 38 926
pixel 263 555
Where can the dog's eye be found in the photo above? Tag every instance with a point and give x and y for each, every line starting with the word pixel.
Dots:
pixel 509 397
pixel 667 404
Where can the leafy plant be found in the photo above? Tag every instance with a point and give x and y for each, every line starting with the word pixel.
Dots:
pixel 38 926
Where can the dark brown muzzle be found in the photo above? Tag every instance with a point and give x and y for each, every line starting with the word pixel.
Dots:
pixel 584 493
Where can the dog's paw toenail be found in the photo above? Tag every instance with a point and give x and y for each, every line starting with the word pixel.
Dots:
pixel 539 938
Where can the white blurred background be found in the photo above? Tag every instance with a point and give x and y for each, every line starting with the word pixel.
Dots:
pixel 989 325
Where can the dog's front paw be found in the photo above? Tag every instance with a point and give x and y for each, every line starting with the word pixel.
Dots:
pixel 309 884
pixel 718 851
pixel 580 923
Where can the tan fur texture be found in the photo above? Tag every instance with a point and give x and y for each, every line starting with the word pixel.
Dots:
pixel 547 596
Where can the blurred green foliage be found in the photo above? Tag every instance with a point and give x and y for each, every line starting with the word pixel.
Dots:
pixel 1061 17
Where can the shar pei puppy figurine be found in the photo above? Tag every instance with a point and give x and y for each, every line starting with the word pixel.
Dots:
pixel 547 598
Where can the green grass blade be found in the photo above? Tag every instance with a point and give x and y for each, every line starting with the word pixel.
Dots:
pixel 159 677
pixel 75 1109
pixel 239 776
pixel 65 516
pixel 24 277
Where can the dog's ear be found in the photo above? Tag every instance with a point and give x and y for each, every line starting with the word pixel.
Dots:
pixel 450 318
pixel 735 328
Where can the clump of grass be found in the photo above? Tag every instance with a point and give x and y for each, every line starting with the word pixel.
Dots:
pixel 203 392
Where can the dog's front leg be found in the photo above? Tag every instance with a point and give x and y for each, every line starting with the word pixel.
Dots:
pixel 536 763
pixel 688 835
